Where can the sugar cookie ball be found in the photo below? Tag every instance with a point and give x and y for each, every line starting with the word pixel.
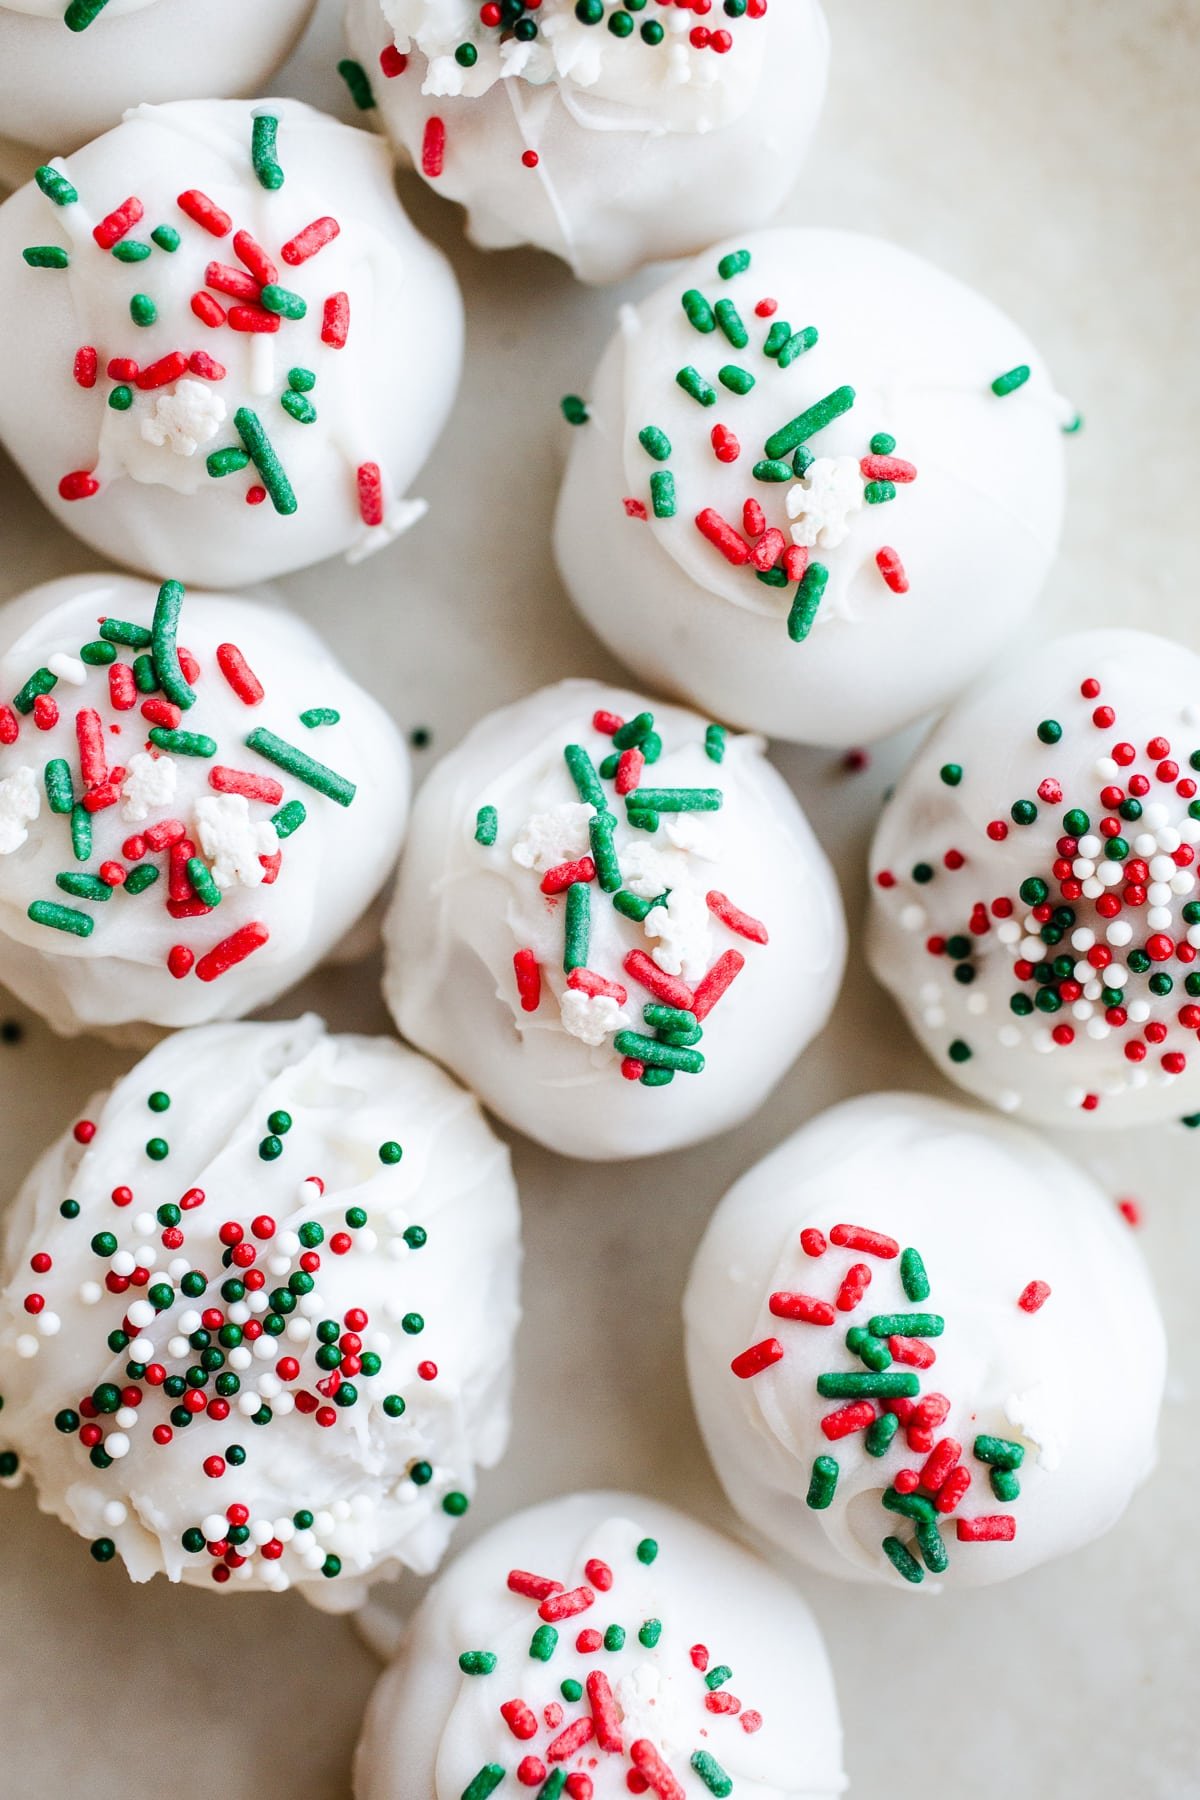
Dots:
pixel 793 461
pixel 71 67
pixel 196 803
pixel 609 139
pixel 599 1645
pixel 1035 905
pixel 221 304
pixel 258 1312
pixel 613 923
pixel 888 1324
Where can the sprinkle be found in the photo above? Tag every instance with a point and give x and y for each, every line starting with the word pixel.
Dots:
pixel 801 1306
pixel 993 1528
pixel 305 768
pixel 489 1777
pixel 1034 1296
pixel 262 150
pixel 600 832
pixel 487 824
pixel 730 321
pixel 289 818
pixel 282 301
pixel 879 1436
pixel 583 773
pixel 61 918
pixel 250 429
pixel 81 833
pixel 477 1662
pixel 736 262
pixel 226 462
pixel 710 989
pixel 732 916
pixel 1001 1453
pixel 529 980
pixel 183 743
pixel 808 599
pixel 857 1237
pixel 370 493
pixel 823 1483
pixel 306 243
pixel 892 569
pixel 563 1605
pixel 55 186
pixel 853 1386
pixel 59 789
pixel 700 315
pixel 79 484
pixel 902 1560
pixel 808 423
pixel 693 383
pixel 164 650
pixel 433 148
pixel 662 494
pixel 167 238
pixel 335 321
pixel 203 212
pixel 604 1712
pixel 209 311
pixel 1011 380
pixel 358 84
pixel 543 1643
pixel 232 950
pixel 711 1773
pixel 680 800
pixel 650 1765
pixel 578 927
pixel 574 409
pixel 299 406
pixel 46 256
pixel 759 1357
pixel 797 345
pixel 655 443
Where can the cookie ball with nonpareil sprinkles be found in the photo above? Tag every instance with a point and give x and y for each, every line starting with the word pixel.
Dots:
pixel 1035 910
pixel 601 1645
pixel 609 133
pixel 795 459
pixel 197 803
pixel 220 303
pixel 257 1313
pixel 923 1348
pixel 613 922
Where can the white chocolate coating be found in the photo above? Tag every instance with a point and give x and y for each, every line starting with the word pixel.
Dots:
pixel 430 1729
pixel 463 910
pixel 1076 1383
pixel 983 514
pixel 332 866
pixel 158 507
pixel 346 1096
pixel 1111 1050
pixel 63 87
pixel 643 152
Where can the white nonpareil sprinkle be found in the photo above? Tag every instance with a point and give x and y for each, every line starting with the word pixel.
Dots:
pixel 821 502
pixel 232 841
pixel 149 783
pixel 20 804
pixel 184 417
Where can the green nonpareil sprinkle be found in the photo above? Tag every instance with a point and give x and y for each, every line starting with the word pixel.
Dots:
pixel 806 424
pixel 289 818
pixel 583 774
pixel 574 409
pixel 654 442
pixel 283 301
pixel 836 1386
pixel 1001 1452
pixel 477 1662
pixel 203 885
pixel 649 1633
pixel 263 150
pixel 320 715
pixel 81 832
pixel 771 469
pixel 601 826
pixel 712 1774
pixel 183 743
pixel 714 743
pixel 130 250
pixel 139 879
pixel 83 887
pixel 822 1483
pixel 882 444
pixel 578 927
pixel 677 800
pixel 355 78
pixel 61 918
pixel 60 790
pixel 121 397
pixel 797 345
pixel 487 824
pixel 919 1325
pixel 301 381
pixel 662 494
pixel 693 383
pixel 700 314
pixel 543 1643
pixel 56 187
pixel 166 237
pixel 165 653
pixel 735 263
pixel 913 1278
pixel 658 1055
pixel 249 428
pixel 142 310
pixel 298 407
pixel 879 1435
pixel 807 602
pixel 614 1638
pixel 647 1551
pixel 97 654
pixel 778 335
pixel 902 1560
pixel 737 380
pixel 46 256
pixel 730 321
pixel 307 769
pixel 951 774
pixel 491 1774
pixel 1011 380
pixel 878 493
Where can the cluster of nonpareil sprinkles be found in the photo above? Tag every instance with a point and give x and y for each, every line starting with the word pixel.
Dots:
pixel 179 401
pixel 226 1326
pixel 583 865
pixel 880 1400
pixel 1101 931
pixel 580 1744
pixel 147 684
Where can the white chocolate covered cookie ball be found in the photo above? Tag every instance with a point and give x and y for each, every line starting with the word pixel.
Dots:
pixel 893 1325
pixel 611 135
pixel 794 461
pixel 613 922
pixel 258 1311
pixel 1035 910
pixel 602 1645
pixel 196 803
pixel 236 351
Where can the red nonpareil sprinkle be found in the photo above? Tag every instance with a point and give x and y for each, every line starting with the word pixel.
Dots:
pixel 813 1242
pixel 255 496
pixel 667 988
pixel 723 973
pixel 255 320
pixel 892 569
pixel 239 674
pixel 649 1763
pixel 80 484
pixel 530 159
pixel 751 1721
pixel 847 1419
pixel 204 212
pixel 726 447
pixel 757 1358
pixel 529 980
pixel 953 1489
pixel 10 728
pixel 251 253
pixel 942 1460
pixel 86 366
pixel 766 309
pixel 722 907
pixel 306 243
pixel 1034 1296
pixel 200 363
pixel 598 1573
pixel 519 1718
pixel 556 881
pixel 606 722
pixel 83 1131
pixel 161 373
pixel 604 1712
pixel 801 1306
pixel 1130 1210
pixel 207 310
pixel 698 1655
pixel 335 321
pixel 723 1702
pixel 433 148
pixel 887 468
pixel 722 536
pixel 232 950
pixel 89 733
pixel 532 1587
pixel 113 227
pixel 858 1237
pixel 629 770
pixel 586 981
pixel 370 493
pixel 531 1770
pixel 632 1069
pixel 634 508
pixel 392 62
pixel 239 781
pixel 854 1286
pixel 991 1528
pixel 913 1351
pixel 569 1742
pixel 45 713
pixel 566 1604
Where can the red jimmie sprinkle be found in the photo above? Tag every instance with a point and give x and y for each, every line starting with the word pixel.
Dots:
pixel 722 536
pixel 759 1357
pixel 10 728
pixel 588 982
pixel 239 674
pixel 335 321
pixel 857 1237
pixel 887 468
pixel 635 509
pixel 239 781
pixel 913 1351
pixel 207 310
pixel 556 881
pixel 306 243
pixel 519 1718
pixel 709 990
pixel 250 252
pixel 992 1528
pixel 813 1242
pixel 228 280
pixel 529 980
pixel 1034 1296
pixel 89 734
pixel 231 950
pixel 942 1460
pixel 606 722
pixel 566 1605
pixel 598 1573
pixel 167 369
pixel 604 1712
pixel 801 1306
pixel 892 569
pixel 722 907
pixel 112 229
pixel 86 366
pixel 45 713
pixel 855 1417
pixel 200 363
pixel 203 212
pixel 254 319
pixel 667 988
pixel 629 770
pixel 855 1285
pixel 953 1489
pixel 650 1765
pixel 370 493
pixel 433 148
pixel 532 1587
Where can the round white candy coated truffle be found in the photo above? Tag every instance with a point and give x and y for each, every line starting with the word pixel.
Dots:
pixel 390 1278
pixel 568 893
pixel 698 1667
pixel 607 150
pixel 1035 903
pixel 160 862
pixel 921 1343
pixel 71 67
pixel 221 303
pixel 793 467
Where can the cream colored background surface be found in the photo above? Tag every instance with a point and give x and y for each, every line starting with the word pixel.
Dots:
pixel 1047 150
